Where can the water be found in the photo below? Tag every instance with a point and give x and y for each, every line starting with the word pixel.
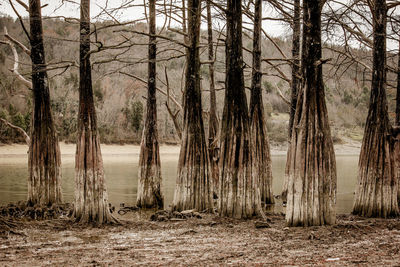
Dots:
pixel 122 175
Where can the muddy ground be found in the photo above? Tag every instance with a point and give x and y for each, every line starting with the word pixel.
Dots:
pixel 211 240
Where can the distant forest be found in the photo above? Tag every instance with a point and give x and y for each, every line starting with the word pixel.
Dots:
pixel 119 83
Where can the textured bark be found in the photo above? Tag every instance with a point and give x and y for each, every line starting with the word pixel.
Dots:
pixel 376 192
pixel 149 182
pixel 312 168
pixel 212 119
pixel 91 200
pixel 194 183
pixel 397 124
pixel 296 82
pixel 238 190
pixel 44 182
pixel 262 164
pixel 296 71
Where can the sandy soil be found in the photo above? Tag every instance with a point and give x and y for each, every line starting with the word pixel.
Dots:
pixel 354 241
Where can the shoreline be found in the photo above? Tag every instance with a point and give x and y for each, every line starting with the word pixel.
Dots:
pixel 348 149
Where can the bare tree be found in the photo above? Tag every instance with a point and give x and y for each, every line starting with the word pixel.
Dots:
pixel 194 183
pixel 262 162
pixel 91 199
pixel 212 119
pixel 44 182
pixel 312 168
pixel 239 193
pixel 296 80
pixel 149 182
pixel 377 189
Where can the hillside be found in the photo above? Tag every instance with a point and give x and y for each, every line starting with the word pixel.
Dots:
pixel 120 99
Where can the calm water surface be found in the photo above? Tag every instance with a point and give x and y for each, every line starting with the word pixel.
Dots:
pixel 122 175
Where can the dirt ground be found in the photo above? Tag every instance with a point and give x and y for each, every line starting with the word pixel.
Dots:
pixel 211 240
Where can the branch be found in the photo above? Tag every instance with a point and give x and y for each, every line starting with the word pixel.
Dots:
pixel 18 43
pixel 282 96
pixel 16 65
pixel 20 20
pixel 175 120
pixel 9 124
pixel 23 4
pixel 393 5
pixel 158 89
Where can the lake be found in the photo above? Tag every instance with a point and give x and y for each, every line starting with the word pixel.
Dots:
pixel 121 168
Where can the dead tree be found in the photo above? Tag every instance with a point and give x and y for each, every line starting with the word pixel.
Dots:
pixel 212 117
pixel 238 190
pixel 377 189
pixel 296 79
pixel 149 182
pixel 262 164
pixel 312 168
pixel 91 200
pixel 44 182
pixel 194 183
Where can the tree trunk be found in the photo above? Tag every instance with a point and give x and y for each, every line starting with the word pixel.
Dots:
pixel 312 168
pixel 194 183
pixel 397 124
pixel 44 183
pixel 377 189
pixel 238 190
pixel 91 200
pixel 296 81
pixel 149 183
pixel 262 164
pixel 213 119
pixel 296 73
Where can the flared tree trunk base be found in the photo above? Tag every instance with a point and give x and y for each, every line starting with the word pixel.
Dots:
pixel 44 184
pixel 377 190
pixel 149 186
pixel 194 188
pixel 91 200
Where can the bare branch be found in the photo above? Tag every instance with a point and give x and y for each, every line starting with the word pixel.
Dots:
pixel 158 89
pixel 19 129
pixel 18 43
pixel 16 64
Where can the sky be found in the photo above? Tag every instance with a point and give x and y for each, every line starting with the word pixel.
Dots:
pixel 70 9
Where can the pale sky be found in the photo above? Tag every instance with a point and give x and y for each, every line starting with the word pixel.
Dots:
pixel 54 8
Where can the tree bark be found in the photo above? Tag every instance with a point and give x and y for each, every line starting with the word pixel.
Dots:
pixel 91 199
pixel 296 71
pixel 149 183
pixel 296 81
pixel 262 164
pixel 312 167
pixel 212 119
pixel 238 190
pixel 377 189
pixel 44 182
pixel 194 183
pixel 397 124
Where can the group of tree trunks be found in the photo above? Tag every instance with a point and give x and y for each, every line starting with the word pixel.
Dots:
pixel 238 172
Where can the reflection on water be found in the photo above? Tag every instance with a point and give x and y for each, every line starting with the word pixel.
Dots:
pixel 122 175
